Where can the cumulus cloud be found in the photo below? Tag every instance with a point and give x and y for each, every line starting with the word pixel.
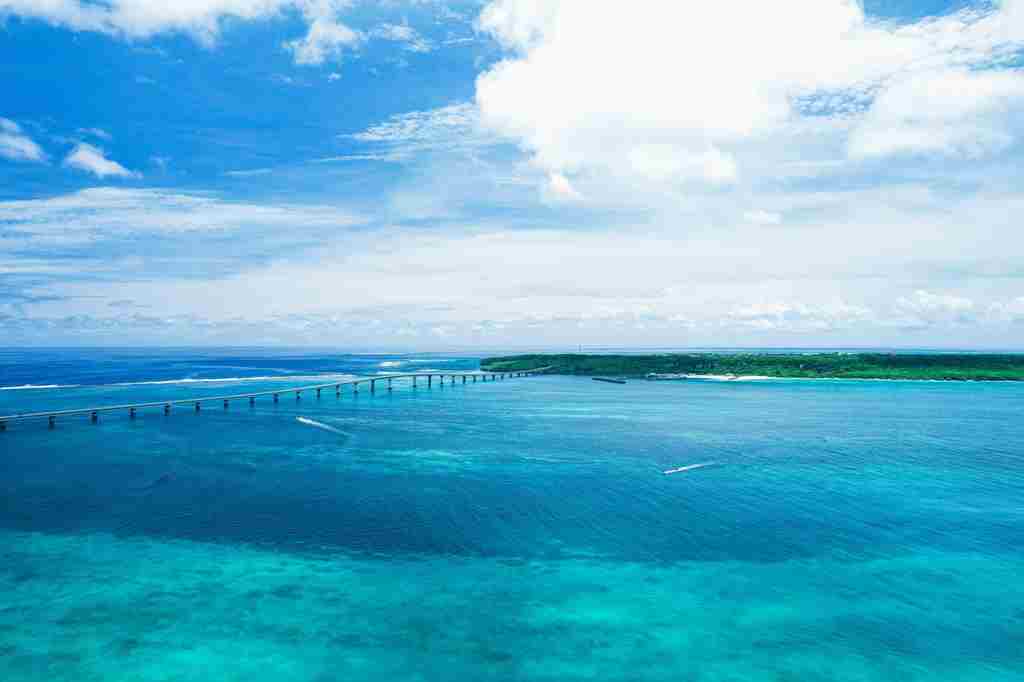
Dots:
pixel 560 187
pixel 327 37
pixel 656 93
pixel 16 145
pixel 925 308
pixel 93 160
pixel 951 112
pixel 144 18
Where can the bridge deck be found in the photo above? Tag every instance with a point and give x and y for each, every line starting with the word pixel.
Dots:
pixel 296 390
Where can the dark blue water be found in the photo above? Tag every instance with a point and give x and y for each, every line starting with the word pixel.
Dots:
pixel 858 530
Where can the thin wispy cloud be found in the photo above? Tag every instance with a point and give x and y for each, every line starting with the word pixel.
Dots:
pixel 18 146
pixel 249 173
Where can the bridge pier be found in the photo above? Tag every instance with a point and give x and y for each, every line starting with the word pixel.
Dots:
pixel 131 413
pixel 337 390
pixel 414 382
pixel 298 396
pixel 318 394
pixel 276 398
pixel 3 425
pixel 373 385
pixel 463 379
pixel 389 384
pixel 197 406
pixel 355 388
pixel 52 421
pixel 252 401
pixel 94 418
pixel 430 380
pixel 225 404
pixel 167 409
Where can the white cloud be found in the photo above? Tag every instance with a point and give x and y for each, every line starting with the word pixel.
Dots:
pixel 951 112
pixel 249 173
pixel 658 94
pixel 16 145
pixel 560 187
pixel 145 18
pixel 93 160
pixel 405 34
pixel 97 132
pixel 925 308
pixel 92 214
pixel 763 217
pixel 327 37
pixel 451 128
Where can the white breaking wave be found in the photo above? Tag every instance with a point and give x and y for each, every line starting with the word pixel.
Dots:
pixel 29 387
pixel 687 468
pixel 320 425
pixel 223 380
pixel 392 363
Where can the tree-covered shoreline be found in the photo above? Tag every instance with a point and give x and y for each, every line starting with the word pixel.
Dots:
pixel 920 366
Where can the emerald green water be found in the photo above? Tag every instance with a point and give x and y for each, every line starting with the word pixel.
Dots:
pixel 524 531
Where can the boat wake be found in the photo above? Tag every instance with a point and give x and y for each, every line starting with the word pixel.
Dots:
pixel 687 468
pixel 319 425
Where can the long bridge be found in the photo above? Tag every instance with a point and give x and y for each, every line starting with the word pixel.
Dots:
pixel 196 403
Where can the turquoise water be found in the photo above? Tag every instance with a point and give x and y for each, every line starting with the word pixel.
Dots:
pixel 519 530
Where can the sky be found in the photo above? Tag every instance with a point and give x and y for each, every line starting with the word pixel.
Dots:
pixel 431 174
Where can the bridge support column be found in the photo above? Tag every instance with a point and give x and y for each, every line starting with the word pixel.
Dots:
pixel 167 409
pixel 337 390
pixel 3 425
pixel 389 384
pixel 197 406
pixel 52 421
pixel 463 378
pixel 131 413
pixel 430 380
pixel 355 387
pixel 414 382
pixel 252 400
pixel 94 417
pixel 276 398
pixel 318 394
pixel 225 404
pixel 298 395
pixel 373 386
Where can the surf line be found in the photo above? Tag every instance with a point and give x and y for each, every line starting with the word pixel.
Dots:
pixel 688 468
pixel 319 425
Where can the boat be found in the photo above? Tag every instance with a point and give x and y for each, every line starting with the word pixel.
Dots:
pixel 609 381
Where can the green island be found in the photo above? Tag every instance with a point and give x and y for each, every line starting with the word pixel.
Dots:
pixel 920 366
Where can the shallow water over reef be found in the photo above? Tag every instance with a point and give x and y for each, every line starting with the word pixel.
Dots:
pixel 519 530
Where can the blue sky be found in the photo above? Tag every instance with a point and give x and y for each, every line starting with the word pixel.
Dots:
pixel 512 173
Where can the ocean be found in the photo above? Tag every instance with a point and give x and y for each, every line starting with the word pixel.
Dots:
pixel 516 530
